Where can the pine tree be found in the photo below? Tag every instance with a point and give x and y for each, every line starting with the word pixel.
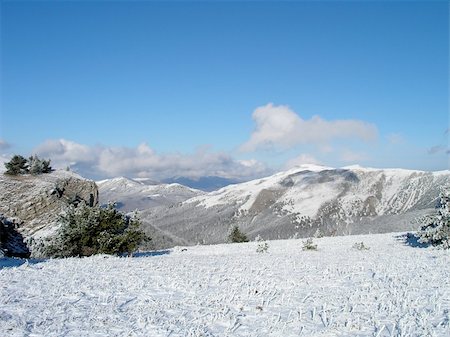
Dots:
pixel 17 165
pixel 36 166
pixel 436 230
pixel 88 230
pixel 46 168
pixel 236 235
pixel 39 166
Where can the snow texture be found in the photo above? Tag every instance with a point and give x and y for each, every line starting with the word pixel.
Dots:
pixel 392 289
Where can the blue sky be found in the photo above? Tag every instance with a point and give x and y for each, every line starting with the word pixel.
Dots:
pixel 173 88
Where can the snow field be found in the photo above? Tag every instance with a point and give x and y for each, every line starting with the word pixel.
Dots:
pixel 230 290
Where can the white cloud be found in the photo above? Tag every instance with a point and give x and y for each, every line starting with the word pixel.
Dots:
pixel 143 161
pixel 67 151
pixel 4 144
pixel 280 127
pixel 3 159
pixel 301 160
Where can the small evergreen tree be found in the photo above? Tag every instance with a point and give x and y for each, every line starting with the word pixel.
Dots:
pixel 46 166
pixel 88 230
pixel 263 246
pixel 360 246
pixel 34 165
pixel 236 235
pixel 17 165
pixel 436 230
pixel 39 166
pixel 309 244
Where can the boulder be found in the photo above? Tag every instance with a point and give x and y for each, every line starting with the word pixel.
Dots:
pixel 31 204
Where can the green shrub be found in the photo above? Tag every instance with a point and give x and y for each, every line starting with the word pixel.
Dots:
pixel 236 236
pixel 88 230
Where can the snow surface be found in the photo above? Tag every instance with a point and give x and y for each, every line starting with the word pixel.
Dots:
pixel 392 289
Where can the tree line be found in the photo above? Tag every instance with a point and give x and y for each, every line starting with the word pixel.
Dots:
pixel 33 165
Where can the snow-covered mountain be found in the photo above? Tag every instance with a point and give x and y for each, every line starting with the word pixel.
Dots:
pixel 132 194
pixel 208 183
pixel 350 200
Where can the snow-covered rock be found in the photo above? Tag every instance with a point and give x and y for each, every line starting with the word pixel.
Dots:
pixel 34 203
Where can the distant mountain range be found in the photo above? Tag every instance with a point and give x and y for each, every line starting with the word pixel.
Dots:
pixel 139 194
pixel 350 200
pixel 298 202
pixel 208 184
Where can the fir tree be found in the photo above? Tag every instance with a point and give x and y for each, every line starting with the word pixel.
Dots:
pixel 17 165
pixel 38 166
pixel 88 230
pixel 436 230
pixel 236 235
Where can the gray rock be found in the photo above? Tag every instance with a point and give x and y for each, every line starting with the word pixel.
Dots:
pixel 34 203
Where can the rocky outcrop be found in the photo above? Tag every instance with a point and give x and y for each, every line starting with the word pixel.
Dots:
pixel 33 204
pixel 11 241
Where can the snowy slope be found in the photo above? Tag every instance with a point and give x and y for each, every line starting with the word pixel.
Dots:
pixel 132 194
pixel 305 189
pixel 296 202
pixel 230 290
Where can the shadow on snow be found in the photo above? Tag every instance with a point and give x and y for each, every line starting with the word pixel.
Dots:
pixel 152 253
pixel 410 239
pixel 9 262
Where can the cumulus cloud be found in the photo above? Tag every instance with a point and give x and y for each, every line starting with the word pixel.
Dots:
pixel 301 160
pixel 280 127
pixel 143 161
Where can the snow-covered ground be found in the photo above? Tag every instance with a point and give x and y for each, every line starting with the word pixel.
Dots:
pixel 392 289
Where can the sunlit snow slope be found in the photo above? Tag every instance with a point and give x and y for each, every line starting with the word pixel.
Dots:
pixel 347 200
pixel 392 289
pixel 135 194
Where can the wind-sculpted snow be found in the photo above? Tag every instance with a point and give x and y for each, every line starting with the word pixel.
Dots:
pixel 299 201
pixel 392 289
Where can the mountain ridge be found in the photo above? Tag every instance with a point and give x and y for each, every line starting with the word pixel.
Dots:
pixel 301 200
